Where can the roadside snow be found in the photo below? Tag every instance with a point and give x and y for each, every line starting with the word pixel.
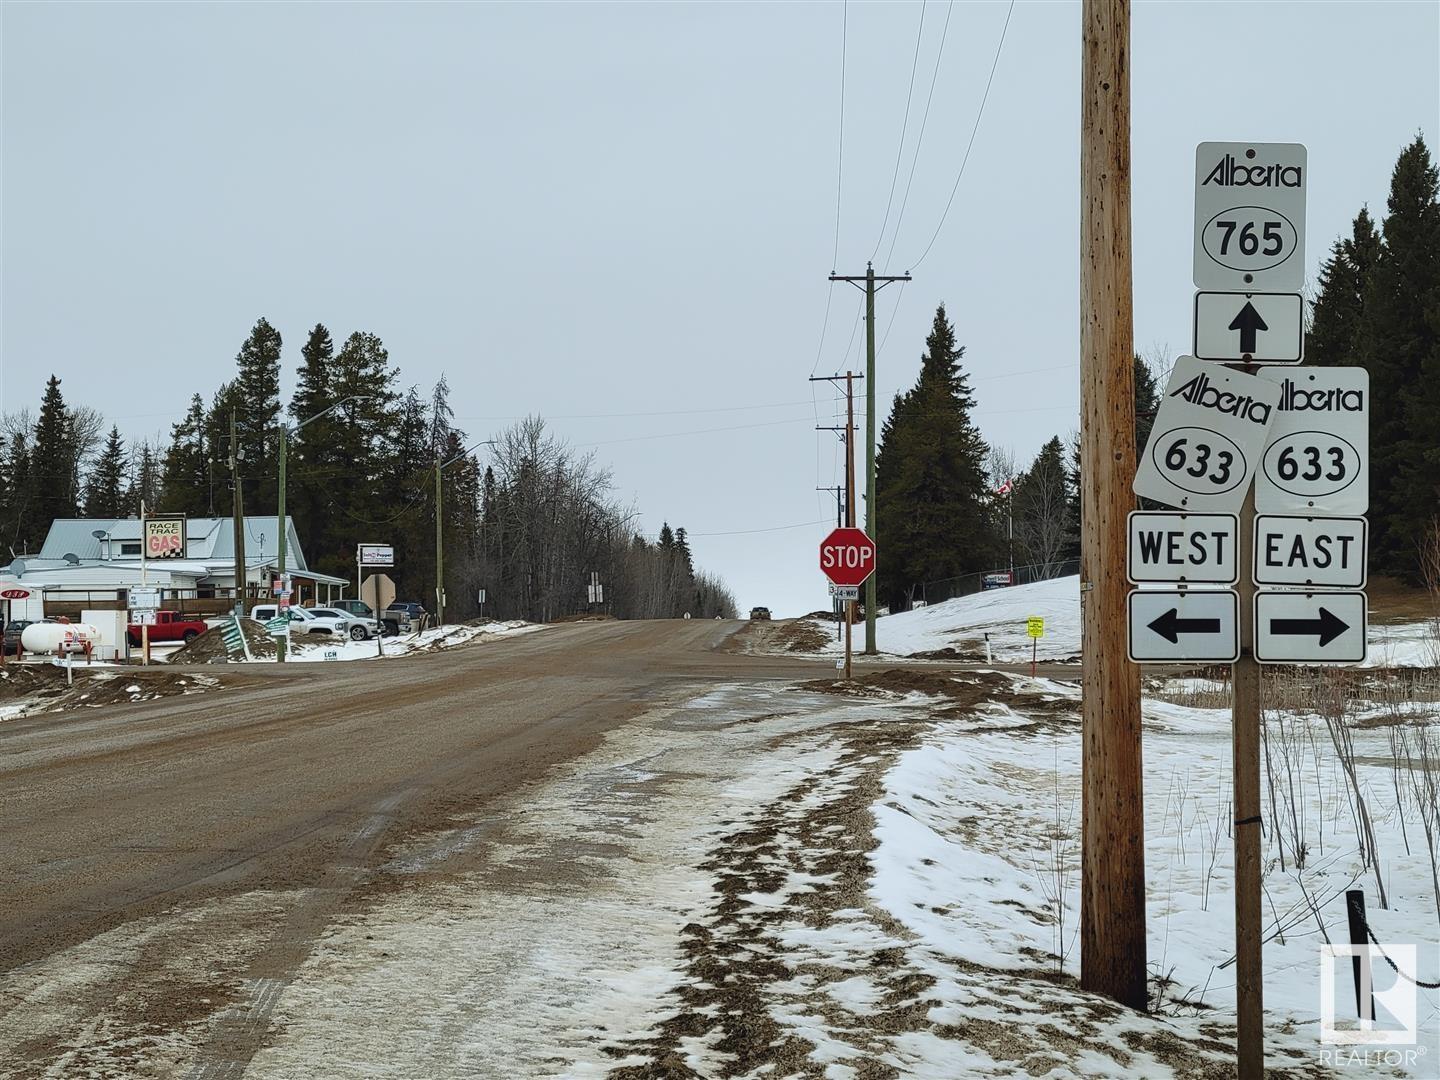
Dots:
pixel 963 623
pixel 439 637
pixel 979 858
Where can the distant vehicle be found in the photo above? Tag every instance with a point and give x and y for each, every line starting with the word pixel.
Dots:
pixel 414 610
pixel 319 621
pixel 168 626
pixel 759 614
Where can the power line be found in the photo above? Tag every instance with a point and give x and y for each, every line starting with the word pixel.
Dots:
pixel 658 412
pixel 925 117
pixel 697 431
pixel 904 127
pixel 973 132
pixel 776 528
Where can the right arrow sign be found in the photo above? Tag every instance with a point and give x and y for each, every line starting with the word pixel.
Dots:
pixel 1309 627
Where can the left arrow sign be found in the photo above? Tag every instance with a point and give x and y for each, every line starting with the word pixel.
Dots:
pixel 1170 626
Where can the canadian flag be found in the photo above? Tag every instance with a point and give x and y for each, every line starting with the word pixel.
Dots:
pixel 1004 489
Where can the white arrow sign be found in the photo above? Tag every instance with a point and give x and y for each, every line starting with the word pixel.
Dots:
pixel 1174 548
pixel 1317 456
pixel 1309 627
pixel 1250 216
pixel 1328 552
pixel 1259 328
pixel 1207 436
pixel 1172 625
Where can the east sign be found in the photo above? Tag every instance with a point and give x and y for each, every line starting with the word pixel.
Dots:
pixel 1310 551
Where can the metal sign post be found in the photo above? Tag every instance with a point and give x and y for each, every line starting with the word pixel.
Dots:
pixel 1035 629
pixel 1304 446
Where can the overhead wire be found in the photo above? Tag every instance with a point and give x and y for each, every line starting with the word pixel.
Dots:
pixel 920 138
pixel 773 528
pixel 904 128
pixel 835 251
pixel 979 114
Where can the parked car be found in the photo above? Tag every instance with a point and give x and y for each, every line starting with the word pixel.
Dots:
pixel 415 610
pixel 355 627
pixel 392 621
pixel 318 621
pixel 760 614
pixel 13 629
pixel 168 626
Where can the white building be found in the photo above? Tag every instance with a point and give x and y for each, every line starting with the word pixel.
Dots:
pixel 86 562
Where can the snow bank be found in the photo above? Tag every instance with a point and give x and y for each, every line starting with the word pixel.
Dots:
pixel 962 624
pixel 439 637
pixel 979 854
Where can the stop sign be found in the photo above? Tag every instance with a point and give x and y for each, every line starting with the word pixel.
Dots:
pixel 847 556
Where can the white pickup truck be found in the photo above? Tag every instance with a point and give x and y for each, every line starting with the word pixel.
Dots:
pixel 332 621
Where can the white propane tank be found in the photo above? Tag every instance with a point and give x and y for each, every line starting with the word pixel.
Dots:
pixel 54 638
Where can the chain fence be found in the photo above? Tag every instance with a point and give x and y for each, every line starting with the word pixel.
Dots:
pixel 934 592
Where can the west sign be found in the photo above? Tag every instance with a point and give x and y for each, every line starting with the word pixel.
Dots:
pixel 1250 216
pixel 1176 548
pixel 1206 440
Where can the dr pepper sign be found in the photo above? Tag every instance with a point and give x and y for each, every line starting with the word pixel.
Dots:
pixel 847 556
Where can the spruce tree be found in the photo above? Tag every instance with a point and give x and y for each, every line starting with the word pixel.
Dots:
pixel 1397 339
pixel 52 462
pixel 1045 530
pixel 19 534
pixel 357 502
pixel 1147 404
pixel 105 490
pixel 933 503
pixel 187 475
pixel 257 389
pixel 143 492
pixel 1337 311
pixel 312 461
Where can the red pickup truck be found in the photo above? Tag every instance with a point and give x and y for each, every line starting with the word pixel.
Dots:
pixel 168 626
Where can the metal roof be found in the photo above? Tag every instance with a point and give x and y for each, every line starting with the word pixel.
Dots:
pixel 206 538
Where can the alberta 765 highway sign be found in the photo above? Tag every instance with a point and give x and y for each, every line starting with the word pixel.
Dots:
pixel 1250 216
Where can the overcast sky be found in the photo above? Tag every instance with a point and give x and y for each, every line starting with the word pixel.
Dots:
pixel 622 216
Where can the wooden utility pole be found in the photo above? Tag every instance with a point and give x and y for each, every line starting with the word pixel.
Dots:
pixel 848 434
pixel 871 284
pixel 238 514
pixel 1112 906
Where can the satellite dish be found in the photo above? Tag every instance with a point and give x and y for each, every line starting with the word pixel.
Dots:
pixel 71 558
pixel 17 567
pixel 99 534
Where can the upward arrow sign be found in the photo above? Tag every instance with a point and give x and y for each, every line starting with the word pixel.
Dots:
pixel 1248 322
